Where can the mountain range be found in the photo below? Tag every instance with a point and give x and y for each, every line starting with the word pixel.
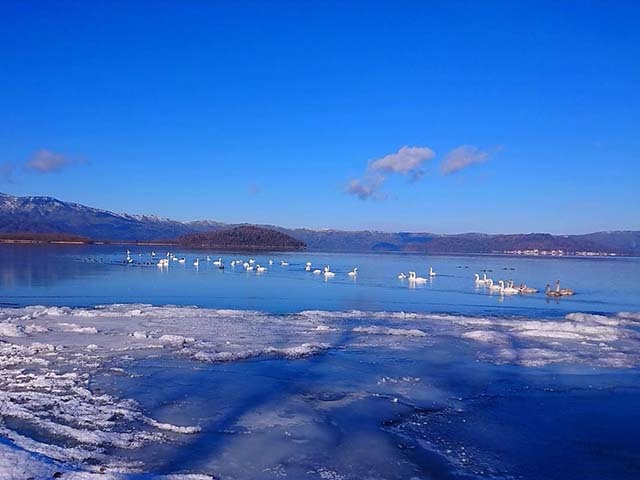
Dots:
pixel 40 214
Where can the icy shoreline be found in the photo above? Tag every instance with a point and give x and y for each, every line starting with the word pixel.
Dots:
pixel 54 420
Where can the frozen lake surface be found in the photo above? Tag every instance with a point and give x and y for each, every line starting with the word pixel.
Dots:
pixel 135 372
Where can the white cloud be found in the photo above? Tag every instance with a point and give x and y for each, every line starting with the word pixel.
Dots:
pixel 404 161
pixel 46 161
pixel 462 157
pixel 407 161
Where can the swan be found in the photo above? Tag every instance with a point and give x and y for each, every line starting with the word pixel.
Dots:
pixel 524 289
pixel 163 262
pixel 182 260
pixel 414 278
pixel 328 273
pixel 494 287
pixel 509 290
pixel 233 263
pixel 354 272
pixel 252 261
pixel 401 276
pixel 218 262
pixel 270 262
pixel 558 292
pixel 196 262
pixel 307 268
pixel 317 271
pixel 208 258
pixel 480 282
pixel 246 265
pixel 551 293
pixel 308 264
pixel 249 268
pixel 284 264
pixel 431 272
pixel 260 269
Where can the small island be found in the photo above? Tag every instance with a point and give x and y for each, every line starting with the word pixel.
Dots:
pixel 246 237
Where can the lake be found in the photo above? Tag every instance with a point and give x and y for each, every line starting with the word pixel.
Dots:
pixel 136 371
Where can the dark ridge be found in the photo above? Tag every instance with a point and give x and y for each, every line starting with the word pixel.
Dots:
pixel 242 238
pixel 30 237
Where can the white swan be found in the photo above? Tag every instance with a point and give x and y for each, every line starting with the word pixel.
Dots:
pixel 328 273
pixel 480 282
pixel 509 290
pixel 308 264
pixel 252 261
pixel 182 260
pixel 196 262
pixel 413 277
pixel 260 269
pixel 354 272
pixel 431 272
pixel 270 262
pixel 317 271
pixel 284 264
pixel 307 268
pixel 249 268
pixel 218 262
pixel 524 289
pixel 494 287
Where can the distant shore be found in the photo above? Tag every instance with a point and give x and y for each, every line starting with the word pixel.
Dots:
pixel 253 248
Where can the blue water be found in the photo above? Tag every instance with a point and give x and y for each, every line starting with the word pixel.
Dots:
pixel 372 406
pixel 90 275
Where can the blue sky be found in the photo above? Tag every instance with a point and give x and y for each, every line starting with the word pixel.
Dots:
pixel 516 116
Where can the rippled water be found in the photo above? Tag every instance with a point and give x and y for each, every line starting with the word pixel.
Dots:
pixel 132 371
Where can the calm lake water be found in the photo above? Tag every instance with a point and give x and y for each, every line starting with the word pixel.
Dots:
pixel 85 276
pixel 144 372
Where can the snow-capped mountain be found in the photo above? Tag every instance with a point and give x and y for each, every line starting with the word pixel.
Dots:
pixel 50 215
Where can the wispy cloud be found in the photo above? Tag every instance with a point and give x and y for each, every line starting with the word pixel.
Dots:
pixel 6 171
pixel 462 157
pixel 407 161
pixel 254 189
pixel 45 161
pixel 367 187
